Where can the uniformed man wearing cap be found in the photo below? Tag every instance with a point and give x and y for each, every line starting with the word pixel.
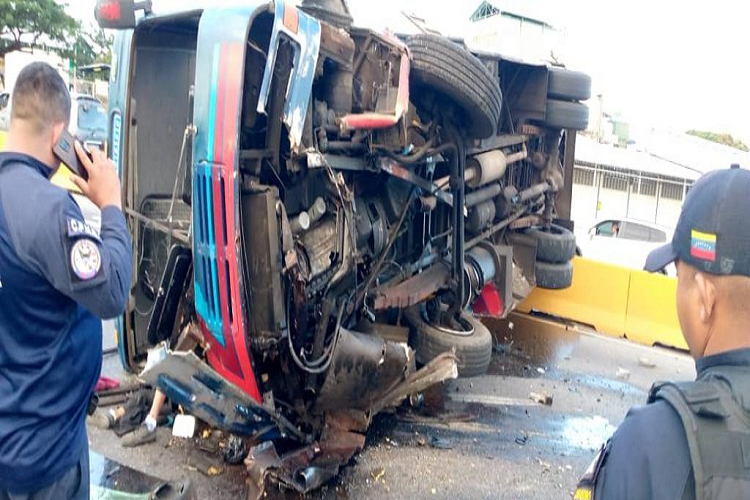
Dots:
pixel 58 276
pixel 692 439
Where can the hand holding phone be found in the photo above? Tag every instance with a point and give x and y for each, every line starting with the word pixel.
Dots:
pixel 65 151
pixel 102 185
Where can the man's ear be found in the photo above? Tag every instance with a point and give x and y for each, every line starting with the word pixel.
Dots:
pixel 706 295
pixel 57 132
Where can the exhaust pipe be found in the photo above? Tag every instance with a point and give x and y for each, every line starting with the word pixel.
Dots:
pixel 491 166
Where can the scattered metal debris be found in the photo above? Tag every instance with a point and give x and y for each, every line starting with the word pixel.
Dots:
pixel 306 468
pixel 522 439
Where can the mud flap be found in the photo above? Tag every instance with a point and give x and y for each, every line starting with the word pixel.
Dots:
pixel 386 369
pixel 363 361
pixel 190 382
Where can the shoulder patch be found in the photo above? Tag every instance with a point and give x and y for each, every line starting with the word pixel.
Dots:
pixel 78 227
pixel 85 259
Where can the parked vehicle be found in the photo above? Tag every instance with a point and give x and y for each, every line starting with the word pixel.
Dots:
pixel 88 120
pixel 320 206
pixel 625 242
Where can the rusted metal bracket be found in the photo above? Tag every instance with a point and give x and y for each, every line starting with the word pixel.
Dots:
pixel 392 167
pixel 415 289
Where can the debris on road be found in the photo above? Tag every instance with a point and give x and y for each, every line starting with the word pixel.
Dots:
pixel 543 398
pixel 440 443
pixel 236 450
pixel 522 439
pixel 622 373
pixel 184 426
pixel 377 474
pixel 210 440
pixel 646 363
pixel 203 464
pixel 545 465
pixel 504 348
pixel 307 468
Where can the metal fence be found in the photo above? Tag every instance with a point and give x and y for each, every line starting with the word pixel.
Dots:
pixel 630 182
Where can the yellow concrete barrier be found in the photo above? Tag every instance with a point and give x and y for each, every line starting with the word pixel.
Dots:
pixel 598 297
pixel 616 301
pixel 652 311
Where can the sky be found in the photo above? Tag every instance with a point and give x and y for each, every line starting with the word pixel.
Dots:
pixel 666 64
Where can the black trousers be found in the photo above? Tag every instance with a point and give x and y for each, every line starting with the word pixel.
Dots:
pixel 74 485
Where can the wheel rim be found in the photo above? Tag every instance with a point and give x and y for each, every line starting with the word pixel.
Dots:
pixel 467 332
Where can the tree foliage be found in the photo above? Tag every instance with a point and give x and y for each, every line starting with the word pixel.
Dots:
pixel 725 139
pixel 34 23
pixel 92 46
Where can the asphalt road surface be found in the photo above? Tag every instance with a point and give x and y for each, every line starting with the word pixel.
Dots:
pixel 473 438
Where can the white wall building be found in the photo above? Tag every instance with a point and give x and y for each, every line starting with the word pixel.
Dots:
pixel 649 185
pixel 510 28
pixel 16 61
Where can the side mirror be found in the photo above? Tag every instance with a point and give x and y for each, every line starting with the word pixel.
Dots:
pixel 119 14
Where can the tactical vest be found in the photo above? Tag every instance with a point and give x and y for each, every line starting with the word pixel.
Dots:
pixel 715 412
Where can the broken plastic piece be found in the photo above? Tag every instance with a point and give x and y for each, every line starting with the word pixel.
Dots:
pixel 184 426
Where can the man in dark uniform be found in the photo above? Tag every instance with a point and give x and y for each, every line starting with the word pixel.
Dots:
pixel 59 277
pixel 692 441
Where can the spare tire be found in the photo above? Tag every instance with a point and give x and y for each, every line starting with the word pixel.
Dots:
pixel 453 72
pixel 553 276
pixel 556 245
pixel 473 343
pixel 568 85
pixel 566 115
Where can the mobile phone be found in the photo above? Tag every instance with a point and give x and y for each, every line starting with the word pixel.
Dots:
pixel 65 151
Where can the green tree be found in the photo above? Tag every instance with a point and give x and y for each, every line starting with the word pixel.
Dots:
pixel 92 46
pixel 725 139
pixel 34 23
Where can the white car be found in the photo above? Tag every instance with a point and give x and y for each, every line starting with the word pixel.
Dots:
pixel 88 118
pixel 625 242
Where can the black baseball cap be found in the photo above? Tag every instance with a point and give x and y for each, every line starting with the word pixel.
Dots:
pixel 713 231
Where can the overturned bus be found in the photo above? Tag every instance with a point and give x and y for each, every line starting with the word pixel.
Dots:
pixel 320 212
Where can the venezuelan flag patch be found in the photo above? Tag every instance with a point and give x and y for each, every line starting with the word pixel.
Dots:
pixel 703 246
